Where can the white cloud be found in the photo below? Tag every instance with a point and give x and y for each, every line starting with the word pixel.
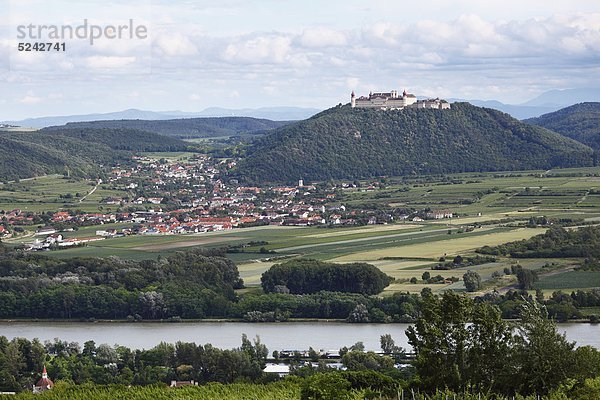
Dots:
pixel 352 82
pixel 175 45
pixel 273 49
pixel 202 55
pixel 30 98
pixel 108 62
pixel 322 37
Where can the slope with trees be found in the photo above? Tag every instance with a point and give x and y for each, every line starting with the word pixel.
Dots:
pixel 346 143
pixel 74 151
pixel 580 122
pixel 184 127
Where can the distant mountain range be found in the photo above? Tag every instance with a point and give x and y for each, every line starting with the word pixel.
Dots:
pixel 580 122
pixel 272 113
pixel 545 103
pixel 185 128
pixel 339 143
pixel 347 143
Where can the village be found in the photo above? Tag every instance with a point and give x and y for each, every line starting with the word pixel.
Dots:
pixel 187 196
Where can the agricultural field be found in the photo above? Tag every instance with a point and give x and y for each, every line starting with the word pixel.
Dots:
pixel 489 209
pixel 570 280
pixel 491 196
pixel 457 245
pixel 234 391
pixel 53 193
pixel 170 156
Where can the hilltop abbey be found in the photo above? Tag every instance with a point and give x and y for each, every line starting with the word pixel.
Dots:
pixel 392 101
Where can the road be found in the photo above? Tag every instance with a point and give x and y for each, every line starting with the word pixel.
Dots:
pixel 91 191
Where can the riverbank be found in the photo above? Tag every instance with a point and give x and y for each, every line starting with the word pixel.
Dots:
pixel 168 321
pixel 275 335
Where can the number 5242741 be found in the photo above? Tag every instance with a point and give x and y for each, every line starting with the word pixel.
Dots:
pixel 42 46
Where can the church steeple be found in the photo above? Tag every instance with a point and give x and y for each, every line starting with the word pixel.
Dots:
pixel 44 383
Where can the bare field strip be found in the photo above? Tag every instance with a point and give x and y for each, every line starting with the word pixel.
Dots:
pixel 388 265
pixel 251 272
pixel 483 218
pixel 153 247
pixel 376 228
pixel 341 242
pixel 412 288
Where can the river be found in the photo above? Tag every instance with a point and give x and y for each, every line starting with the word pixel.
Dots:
pixel 277 336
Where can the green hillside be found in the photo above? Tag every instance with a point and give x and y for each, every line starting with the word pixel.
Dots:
pixel 118 138
pixel 185 128
pixel 355 143
pixel 580 122
pixel 76 151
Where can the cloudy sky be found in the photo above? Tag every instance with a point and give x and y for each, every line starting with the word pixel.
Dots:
pixel 252 53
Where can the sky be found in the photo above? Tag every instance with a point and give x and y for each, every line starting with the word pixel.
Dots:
pixel 251 53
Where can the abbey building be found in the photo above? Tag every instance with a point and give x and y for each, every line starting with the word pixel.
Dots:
pixel 393 101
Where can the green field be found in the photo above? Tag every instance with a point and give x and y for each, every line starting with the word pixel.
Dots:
pixel 169 156
pixel 494 195
pixel 44 193
pixel 570 280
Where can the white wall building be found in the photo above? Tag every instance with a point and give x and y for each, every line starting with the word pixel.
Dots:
pixel 392 101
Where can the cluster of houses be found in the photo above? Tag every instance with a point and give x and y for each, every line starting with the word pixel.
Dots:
pixel 161 197
pixel 17 217
pixel 54 239
pixel 439 214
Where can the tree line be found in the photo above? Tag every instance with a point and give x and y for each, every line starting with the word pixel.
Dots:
pixel 464 350
pixel 556 242
pixel 198 284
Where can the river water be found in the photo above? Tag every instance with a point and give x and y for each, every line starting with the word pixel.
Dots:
pixel 276 336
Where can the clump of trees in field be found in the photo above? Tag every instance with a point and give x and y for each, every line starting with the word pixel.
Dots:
pixel 310 276
pixel 472 281
pixel 556 242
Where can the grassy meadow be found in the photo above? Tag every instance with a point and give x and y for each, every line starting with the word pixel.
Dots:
pixel 51 193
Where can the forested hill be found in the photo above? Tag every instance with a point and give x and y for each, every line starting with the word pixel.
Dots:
pixel 186 127
pixel 76 151
pixel 580 122
pixel 354 143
